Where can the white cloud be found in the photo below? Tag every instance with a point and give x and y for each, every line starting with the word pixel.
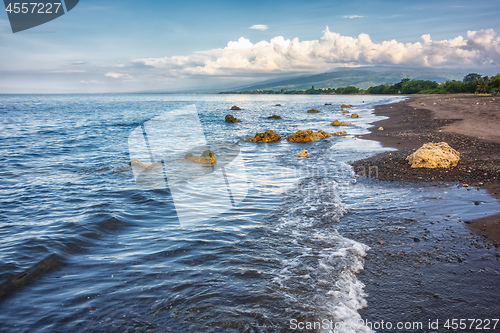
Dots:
pixel 352 16
pixel 121 76
pixel 261 27
pixel 91 82
pixel 68 71
pixel 280 55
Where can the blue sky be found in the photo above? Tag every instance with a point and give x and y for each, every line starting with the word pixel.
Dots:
pixel 106 46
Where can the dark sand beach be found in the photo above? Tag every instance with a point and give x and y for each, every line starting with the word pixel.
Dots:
pixel 428 271
pixel 468 123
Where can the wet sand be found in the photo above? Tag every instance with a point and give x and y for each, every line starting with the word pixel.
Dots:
pixel 468 123
pixel 422 270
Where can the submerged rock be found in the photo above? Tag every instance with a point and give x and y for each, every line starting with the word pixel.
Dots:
pixel 207 157
pixel 346 106
pixel 339 123
pixel 341 133
pixel 345 111
pixel 354 115
pixel 306 136
pixel 434 155
pixel 313 111
pixel 328 103
pixel 274 116
pixel 232 119
pixel 303 153
pixel 234 107
pixel 28 276
pixel 136 163
pixel 278 105
pixel 267 136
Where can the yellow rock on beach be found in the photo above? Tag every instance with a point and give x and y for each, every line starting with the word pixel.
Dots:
pixel 434 155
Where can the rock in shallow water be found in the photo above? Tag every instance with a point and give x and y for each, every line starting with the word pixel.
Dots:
pixel 274 116
pixel 434 155
pixel 339 123
pixel 232 119
pixel 268 136
pixel 306 136
pixel 208 157
pixel 303 153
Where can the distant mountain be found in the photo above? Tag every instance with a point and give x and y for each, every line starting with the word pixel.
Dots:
pixel 360 77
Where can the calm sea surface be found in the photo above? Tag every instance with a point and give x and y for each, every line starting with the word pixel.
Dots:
pixel 66 188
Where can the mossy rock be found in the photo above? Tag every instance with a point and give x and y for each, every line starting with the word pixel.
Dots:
pixel 274 116
pixel 232 119
pixel 267 136
pixel 307 136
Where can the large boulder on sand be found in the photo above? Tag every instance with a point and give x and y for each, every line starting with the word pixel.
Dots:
pixel 434 155
pixel 306 136
pixel 232 119
pixel 207 157
pixel 267 136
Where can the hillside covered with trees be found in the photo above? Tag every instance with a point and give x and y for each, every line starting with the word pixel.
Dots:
pixel 471 83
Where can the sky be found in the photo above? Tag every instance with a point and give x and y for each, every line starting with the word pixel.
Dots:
pixel 123 46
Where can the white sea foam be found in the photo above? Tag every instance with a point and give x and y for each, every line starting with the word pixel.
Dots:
pixel 321 274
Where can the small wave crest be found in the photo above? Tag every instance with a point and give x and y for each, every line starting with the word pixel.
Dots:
pixel 319 265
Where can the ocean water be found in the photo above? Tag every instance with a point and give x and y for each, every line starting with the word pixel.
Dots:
pixel 128 264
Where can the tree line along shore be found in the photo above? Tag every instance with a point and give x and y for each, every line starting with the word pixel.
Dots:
pixel 471 83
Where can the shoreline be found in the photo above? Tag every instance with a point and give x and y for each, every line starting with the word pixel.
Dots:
pixel 468 123
pixel 424 266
